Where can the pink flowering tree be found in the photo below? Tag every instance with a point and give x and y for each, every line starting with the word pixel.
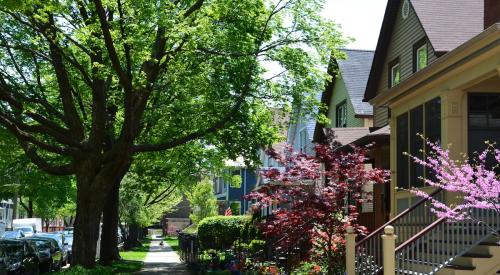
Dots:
pixel 318 198
pixel 476 179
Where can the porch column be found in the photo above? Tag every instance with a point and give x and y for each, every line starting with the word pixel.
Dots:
pixel 454 128
pixel 350 251
pixel 389 250
pixel 454 122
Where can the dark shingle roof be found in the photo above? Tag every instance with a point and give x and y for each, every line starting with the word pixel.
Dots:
pixel 450 23
pixel 355 70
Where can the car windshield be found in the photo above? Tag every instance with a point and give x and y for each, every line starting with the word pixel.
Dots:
pixel 25 229
pixel 56 237
pixel 43 245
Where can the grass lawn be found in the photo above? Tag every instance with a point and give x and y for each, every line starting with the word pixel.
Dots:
pixel 137 253
pixel 132 261
pixel 172 241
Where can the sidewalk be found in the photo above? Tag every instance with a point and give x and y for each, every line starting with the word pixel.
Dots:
pixel 163 260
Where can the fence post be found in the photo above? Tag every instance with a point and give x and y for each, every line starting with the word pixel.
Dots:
pixel 350 251
pixel 389 250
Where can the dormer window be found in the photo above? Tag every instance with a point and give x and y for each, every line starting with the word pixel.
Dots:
pixel 420 56
pixel 394 73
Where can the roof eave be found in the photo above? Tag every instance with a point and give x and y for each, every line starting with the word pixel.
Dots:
pixel 483 41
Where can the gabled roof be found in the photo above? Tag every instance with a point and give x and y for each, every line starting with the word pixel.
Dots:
pixel 354 70
pixel 447 24
pixel 450 23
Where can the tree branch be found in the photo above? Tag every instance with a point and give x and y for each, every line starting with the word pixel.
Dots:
pixel 108 41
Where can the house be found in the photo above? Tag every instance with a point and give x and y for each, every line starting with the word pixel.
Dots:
pixel 177 218
pixel 6 211
pixel 351 122
pixel 436 72
pixel 236 181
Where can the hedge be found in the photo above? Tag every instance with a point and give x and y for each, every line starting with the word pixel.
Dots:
pixel 220 232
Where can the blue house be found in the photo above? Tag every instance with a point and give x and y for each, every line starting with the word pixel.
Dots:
pixel 236 181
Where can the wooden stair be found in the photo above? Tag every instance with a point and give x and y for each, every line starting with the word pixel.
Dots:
pixel 484 259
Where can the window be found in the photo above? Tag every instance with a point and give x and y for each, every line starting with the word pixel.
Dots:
pixel 235 180
pixel 394 73
pixel 420 56
pixel 405 10
pixel 484 120
pixel 303 140
pixel 341 115
pixel 425 120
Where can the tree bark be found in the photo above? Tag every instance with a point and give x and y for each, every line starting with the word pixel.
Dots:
pixel 133 236
pixel 95 181
pixel 109 239
pixel 87 227
pixel 14 211
pixel 28 208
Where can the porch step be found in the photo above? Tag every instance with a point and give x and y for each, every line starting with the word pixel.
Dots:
pixel 477 255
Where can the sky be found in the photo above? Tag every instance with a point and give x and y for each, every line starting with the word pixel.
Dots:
pixel 359 19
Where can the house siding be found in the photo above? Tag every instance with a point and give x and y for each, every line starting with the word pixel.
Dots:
pixel 339 95
pixel 405 34
pixel 294 136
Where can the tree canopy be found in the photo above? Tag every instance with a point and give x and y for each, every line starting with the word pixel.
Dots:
pixel 86 85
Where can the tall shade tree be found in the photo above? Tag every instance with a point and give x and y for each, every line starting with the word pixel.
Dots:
pixel 85 85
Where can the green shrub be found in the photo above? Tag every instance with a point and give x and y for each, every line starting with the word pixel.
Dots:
pixel 249 231
pixel 256 246
pixel 220 232
pixel 307 268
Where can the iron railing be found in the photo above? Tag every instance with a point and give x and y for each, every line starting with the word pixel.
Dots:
pixel 406 225
pixel 442 242
pixel 189 249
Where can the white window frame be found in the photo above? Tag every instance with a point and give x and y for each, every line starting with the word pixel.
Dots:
pixel 398 66
pixel 417 56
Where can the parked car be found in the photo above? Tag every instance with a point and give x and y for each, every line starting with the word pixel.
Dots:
pixel 18 257
pixel 68 239
pixel 14 234
pixel 69 229
pixel 27 230
pixel 61 242
pixel 49 254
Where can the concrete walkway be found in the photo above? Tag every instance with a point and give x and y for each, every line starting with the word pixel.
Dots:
pixel 163 260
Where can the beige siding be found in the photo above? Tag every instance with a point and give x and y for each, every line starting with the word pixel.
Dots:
pixel 405 34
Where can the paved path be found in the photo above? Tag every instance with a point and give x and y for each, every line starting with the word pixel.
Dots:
pixel 163 260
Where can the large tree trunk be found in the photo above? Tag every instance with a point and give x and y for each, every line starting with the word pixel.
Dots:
pixel 87 227
pixel 132 239
pixel 14 212
pixel 109 239
pixel 94 183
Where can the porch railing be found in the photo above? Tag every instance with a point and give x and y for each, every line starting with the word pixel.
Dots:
pixel 440 243
pixel 407 224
